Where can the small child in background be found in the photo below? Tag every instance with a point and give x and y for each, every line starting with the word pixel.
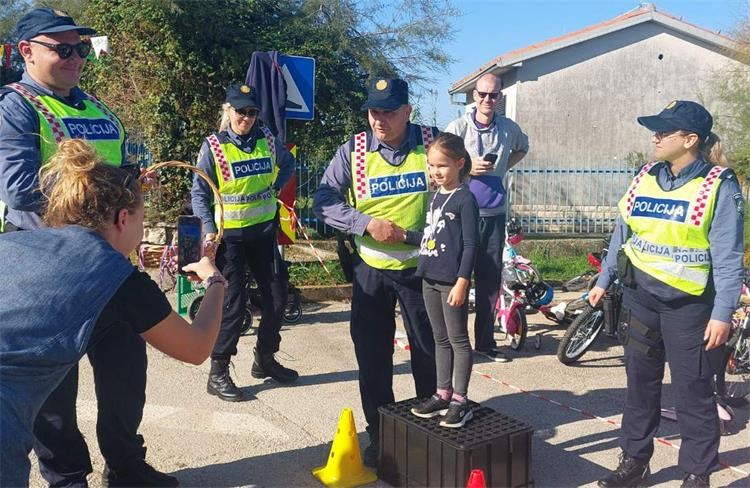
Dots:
pixel 447 253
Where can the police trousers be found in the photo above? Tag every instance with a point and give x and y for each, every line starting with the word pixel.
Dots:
pixel 119 364
pixel 682 325
pixel 262 256
pixel 373 326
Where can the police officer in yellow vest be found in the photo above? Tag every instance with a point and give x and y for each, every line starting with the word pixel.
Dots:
pixel 680 236
pixel 45 107
pixel 377 186
pixel 241 159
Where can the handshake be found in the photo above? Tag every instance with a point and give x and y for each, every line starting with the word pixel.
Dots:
pixel 385 231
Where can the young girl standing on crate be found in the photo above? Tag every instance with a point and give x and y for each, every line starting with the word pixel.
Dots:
pixel 447 252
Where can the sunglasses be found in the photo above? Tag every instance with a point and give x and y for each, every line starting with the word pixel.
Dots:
pixel 492 95
pixel 666 135
pixel 250 113
pixel 65 50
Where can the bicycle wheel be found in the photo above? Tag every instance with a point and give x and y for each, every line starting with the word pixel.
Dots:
pixel 733 383
pixel 580 335
pixel 519 338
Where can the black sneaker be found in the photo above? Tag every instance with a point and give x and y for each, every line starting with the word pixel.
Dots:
pixel 141 475
pixel 629 473
pixel 432 407
pixel 495 354
pixel 695 481
pixel 458 414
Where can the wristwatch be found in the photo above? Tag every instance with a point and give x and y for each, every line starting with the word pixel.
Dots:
pixel 215 278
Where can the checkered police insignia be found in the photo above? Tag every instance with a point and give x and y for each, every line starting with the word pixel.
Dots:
pixel 360 168
pixel 219 157
pixel 708 186
pixel 634 186
pixel 670 104
pixel 245 89
pixel 58 132
pixel 381 85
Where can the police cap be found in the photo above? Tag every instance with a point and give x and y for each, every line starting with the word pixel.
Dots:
pixel 240 95
pixel 48 21
pixel 386 94
pixel 680 115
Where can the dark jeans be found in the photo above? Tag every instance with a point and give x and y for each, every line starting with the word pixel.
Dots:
pixel 453 356
pixel 487 273
pixel 119 363
pixel 261 254
pixel 692 368
pixel 373 326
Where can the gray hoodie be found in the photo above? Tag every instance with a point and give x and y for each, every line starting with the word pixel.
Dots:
pixel 501 137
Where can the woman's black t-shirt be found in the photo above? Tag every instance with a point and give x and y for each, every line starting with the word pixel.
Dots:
pixel 138 304
pixel 448 245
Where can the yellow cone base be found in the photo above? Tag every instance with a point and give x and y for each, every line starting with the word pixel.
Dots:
pixel 344 468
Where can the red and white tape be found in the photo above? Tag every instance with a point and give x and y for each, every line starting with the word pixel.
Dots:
pixel 405 345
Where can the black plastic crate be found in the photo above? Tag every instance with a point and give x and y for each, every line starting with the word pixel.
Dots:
pixel 418 452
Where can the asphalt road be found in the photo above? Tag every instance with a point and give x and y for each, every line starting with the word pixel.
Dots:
pixel 276 438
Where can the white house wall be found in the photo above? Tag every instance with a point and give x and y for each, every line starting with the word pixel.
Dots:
pixel 579 104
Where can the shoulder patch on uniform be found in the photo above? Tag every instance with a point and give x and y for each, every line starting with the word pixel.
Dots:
pixel 739 203
pixel 728 174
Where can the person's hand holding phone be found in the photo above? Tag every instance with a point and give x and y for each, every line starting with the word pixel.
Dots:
pixel 200 270
pixel 484 165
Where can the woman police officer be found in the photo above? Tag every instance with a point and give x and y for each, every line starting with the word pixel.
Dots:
pixel 679 236
pixel 241 158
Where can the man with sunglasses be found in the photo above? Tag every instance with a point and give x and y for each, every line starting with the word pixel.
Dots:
pixel 36 114
pixel 495 144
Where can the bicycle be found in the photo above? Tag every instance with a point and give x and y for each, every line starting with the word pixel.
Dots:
pixel 733 381
pixel 588 325
pixel 254 304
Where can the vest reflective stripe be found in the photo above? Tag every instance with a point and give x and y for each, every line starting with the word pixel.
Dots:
pixel 95 123
pixel 245 181
pixel 251 213
pixel 398 194
pixel 388 254
pixel 670 229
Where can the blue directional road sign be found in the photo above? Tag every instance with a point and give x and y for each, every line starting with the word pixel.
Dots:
pixel 299 74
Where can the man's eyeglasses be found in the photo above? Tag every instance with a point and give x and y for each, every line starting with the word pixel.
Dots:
pixel 492 95
pixel 249 113
pixel 65 50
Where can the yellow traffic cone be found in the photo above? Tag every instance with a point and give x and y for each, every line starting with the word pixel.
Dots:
pixel 344 468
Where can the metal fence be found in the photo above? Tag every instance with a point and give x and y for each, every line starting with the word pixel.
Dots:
pixel 545 201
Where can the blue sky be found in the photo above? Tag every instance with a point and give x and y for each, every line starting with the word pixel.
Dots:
pixel 490 28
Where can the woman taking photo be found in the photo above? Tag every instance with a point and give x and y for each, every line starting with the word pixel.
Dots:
pixel 69 285
pixel 679 237
pixel 241 159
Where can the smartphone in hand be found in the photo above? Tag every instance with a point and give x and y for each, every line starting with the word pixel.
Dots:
pixel 490 158
pixel 189 230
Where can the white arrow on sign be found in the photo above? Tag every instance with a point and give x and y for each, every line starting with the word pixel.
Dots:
pixel 294 100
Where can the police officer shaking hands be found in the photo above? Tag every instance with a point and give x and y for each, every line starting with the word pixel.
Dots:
pixel 680 234
pixel 375 188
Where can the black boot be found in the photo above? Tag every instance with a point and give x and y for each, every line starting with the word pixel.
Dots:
pixel 141 474
pixel 220 383
pixel 265 366
pixel 630 472
pixel 695 481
